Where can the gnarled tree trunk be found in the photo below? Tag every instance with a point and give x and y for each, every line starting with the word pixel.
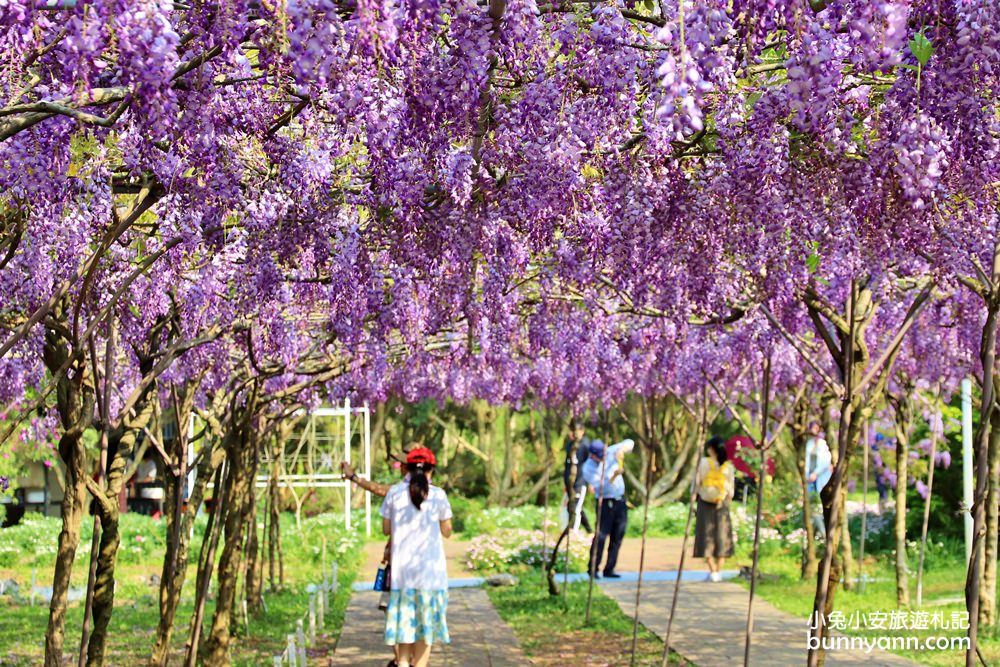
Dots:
pixel 850 419
pixel 800 436
pixel 104 580
pixel 75 400
pixel 178 551
pixel 180 519
pixel 275 556
pixel 988 359
pixel 671 429
pixel 242 457
pixel 846 548
pixel 988 583
pixel 251 577
pixel 845 553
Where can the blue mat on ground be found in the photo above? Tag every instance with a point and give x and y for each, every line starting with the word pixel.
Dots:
pixel 626 578
pixel 452 583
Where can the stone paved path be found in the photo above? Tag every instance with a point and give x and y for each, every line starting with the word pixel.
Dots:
pixel 711 623
pixel 478 637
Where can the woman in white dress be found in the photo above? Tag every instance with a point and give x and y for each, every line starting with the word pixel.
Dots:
pixel 416 515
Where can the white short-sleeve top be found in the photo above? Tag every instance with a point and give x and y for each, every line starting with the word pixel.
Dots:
pixel 418 561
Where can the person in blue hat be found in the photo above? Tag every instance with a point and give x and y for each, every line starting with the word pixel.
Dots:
pixel 604 473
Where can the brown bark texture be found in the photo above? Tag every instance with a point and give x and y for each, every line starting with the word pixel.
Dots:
pixel 75 400
pixel 243 464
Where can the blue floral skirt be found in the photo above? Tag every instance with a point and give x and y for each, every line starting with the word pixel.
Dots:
pixel 415 616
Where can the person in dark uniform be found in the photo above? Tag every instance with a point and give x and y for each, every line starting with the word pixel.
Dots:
pixel 577 451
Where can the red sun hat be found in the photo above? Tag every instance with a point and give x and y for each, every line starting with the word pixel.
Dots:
pixel 421 455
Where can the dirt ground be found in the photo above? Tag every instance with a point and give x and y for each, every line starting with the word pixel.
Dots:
pixel 592 649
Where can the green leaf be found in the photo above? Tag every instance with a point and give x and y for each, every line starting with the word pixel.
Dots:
pixel 813 259
pixel 812 262
pixel 921 48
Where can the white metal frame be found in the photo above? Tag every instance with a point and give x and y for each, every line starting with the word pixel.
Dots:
pixel 333 479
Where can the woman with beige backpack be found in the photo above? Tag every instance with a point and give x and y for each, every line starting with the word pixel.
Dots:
pixel 714 484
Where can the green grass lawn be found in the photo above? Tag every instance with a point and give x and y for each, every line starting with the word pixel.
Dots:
pixel 943 590
pixel 132 632
pixel 553 632
pixel 858 496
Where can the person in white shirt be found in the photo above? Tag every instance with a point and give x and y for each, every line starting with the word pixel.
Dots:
pixel 819 460
pixel 604 473
pixel 819 470
pixel 416 515
pixel 380 490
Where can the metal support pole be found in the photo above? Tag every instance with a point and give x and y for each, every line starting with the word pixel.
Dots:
pixel 367 438
pixel 864 511
pixel 927 511
pixel 300 641
pixel 325 597
pixel 347 457
pixel 967 464
pixel 192 471
pixel 312 619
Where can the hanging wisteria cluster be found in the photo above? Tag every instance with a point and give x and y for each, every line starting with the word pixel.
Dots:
pixel 555 199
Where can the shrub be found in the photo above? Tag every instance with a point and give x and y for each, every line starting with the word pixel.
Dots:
pixel 34 540
pixel 945 554
pixel 462 508
pixel 329 527
pixel 772 541
pixel 493 519
pixel 664 521
pixel 880 534
pixel 516 550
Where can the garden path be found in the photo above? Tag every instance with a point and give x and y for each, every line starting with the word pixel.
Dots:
pixel 478 636
pixel 711 623
pixel 662 555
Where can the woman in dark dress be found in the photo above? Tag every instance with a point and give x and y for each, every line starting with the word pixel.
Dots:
pixel 715 485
